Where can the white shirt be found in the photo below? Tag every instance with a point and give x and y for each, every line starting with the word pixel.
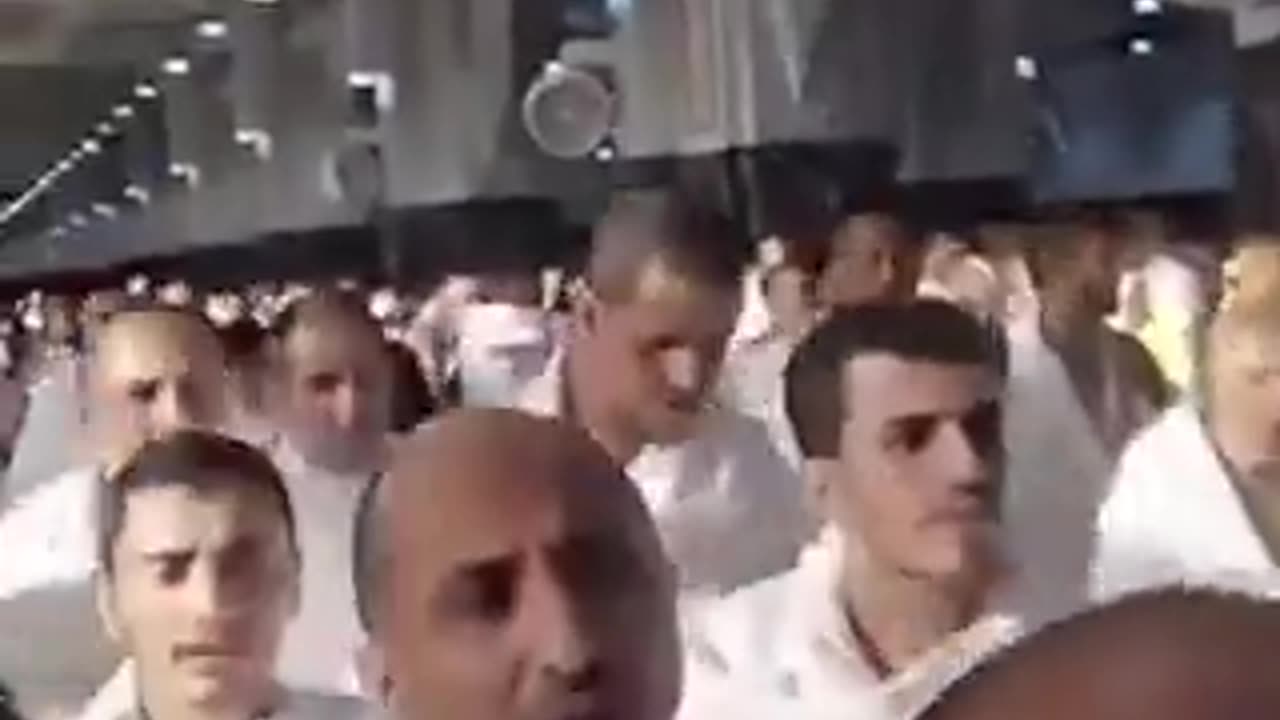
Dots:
pixel 728 508
pixel 50 441
pixel 1175 515
pixel 320 648
pixel 753 383
pixel 1057 476
pixel 48 544
pixel 782 648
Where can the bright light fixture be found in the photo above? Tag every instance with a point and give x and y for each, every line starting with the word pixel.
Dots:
pixel 176 66
pixel 146 91
pixel 211 29
pixel 91 147
pixel 122 112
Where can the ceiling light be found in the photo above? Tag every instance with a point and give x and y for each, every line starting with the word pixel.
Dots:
pixel 65 166
pixel 122 112
pixel 105 210
pixel 211 29
pixel 176 66
pixel 137 193
pixel 146 91
pixel 91 147
pixel 77 220
pixel 105 129
pixel 1141 46
pixel 1146 7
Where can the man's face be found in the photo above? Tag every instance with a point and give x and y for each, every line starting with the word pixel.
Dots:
pixel 872 259
pixel 1092 274
pixel 1245 398
pixel 155 374
pixel 202 589
pixel 662 350
pixel 337 394
pixel 520 601
pixel 921 465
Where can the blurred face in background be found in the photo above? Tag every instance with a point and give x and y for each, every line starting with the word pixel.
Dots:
pixel 873 257
pixel 201 590
pixel 152 373
pixel 336 392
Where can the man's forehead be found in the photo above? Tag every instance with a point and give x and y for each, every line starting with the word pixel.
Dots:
pixel 144 344
pixel 885 384
pixel 176 517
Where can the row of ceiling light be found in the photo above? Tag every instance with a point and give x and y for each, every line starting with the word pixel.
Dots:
pixel 174 66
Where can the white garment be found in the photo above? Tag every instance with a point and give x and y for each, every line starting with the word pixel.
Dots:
pixel 1056 479
pixel 320 648
pixel 782 648
pixel 728 508
pixel 752 383
pixel 48 555
pixel 501 348
pixel 1174 516
pixel 50 441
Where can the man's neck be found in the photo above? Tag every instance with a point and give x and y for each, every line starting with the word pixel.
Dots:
pixel 162 706
pixel 583 405
pixel 898 619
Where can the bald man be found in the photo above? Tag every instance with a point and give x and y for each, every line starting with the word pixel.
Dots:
pixel 331 387
pixel 151 371
pixel 507 570
pixel 1173 655
pixel 1196 495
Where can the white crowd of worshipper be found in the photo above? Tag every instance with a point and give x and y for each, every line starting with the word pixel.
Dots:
pixel 870 472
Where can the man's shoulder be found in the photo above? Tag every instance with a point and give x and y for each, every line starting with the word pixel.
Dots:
pixel 732 633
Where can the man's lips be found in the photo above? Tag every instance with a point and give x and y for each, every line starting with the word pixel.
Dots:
pixel 209 651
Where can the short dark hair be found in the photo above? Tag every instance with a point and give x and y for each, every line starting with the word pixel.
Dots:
pixel 368 553
pixel 927 330
pixel 200 461
pixel 688 237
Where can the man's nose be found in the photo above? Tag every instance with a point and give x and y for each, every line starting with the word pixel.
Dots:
pixel 173 410
pixel 684 370
pixel 564 646
pixel 957 453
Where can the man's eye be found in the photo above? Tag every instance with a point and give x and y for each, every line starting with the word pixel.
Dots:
pixel 144 393
pixel 488 595
pixel 913 435
pixel 173 569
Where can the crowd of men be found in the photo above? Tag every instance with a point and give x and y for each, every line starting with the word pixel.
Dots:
pixel 905 478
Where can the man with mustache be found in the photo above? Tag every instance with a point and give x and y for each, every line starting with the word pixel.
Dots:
pixel 506 569
pixel 647 337
pixel 896 408
pixel 199 575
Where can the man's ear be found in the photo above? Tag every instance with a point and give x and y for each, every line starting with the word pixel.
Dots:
pixel 371 671
pixel 820 475
pixel 108 613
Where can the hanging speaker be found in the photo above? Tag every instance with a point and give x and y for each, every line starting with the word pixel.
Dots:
pixel 569 111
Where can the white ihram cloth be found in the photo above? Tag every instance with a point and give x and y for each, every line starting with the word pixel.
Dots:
pixel 753 384
pixel 1057 477
pixel 783 648
pixel 729 509
pixel 1175 516
pixel 49 443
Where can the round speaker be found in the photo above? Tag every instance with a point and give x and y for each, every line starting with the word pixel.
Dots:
pixel 568 111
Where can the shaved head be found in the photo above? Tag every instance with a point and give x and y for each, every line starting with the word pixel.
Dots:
pixel 1168 655
pixel 508 569
pixel 153 371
